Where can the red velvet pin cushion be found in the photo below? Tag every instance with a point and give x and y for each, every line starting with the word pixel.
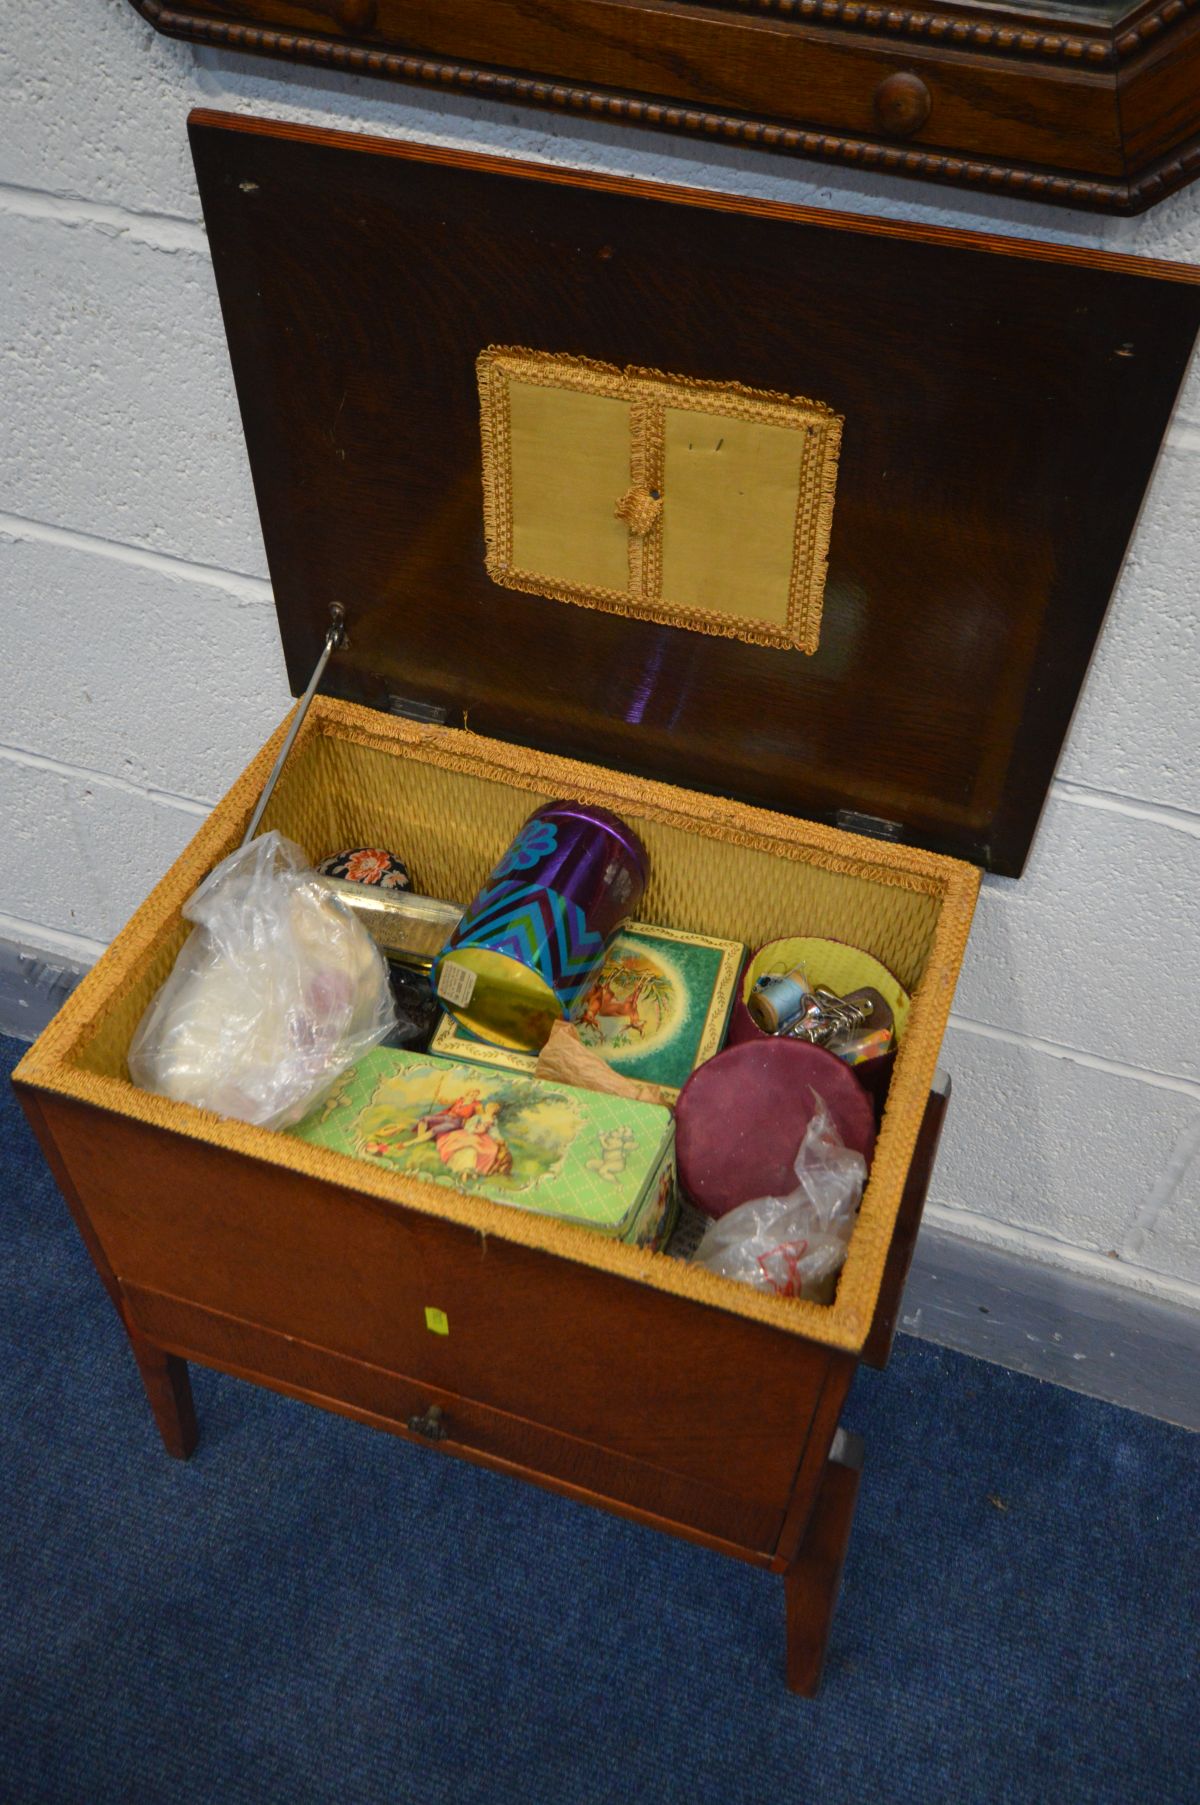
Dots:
pixel 741 1117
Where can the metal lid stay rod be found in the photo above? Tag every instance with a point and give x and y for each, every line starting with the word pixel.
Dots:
pixel 335 637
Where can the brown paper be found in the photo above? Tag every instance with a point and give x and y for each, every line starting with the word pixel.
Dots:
pixel 565 1060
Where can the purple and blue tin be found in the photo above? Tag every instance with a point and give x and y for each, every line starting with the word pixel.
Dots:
pixel 533 938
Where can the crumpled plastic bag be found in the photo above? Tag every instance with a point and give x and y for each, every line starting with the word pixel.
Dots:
pixel 276 991
pixel 794 1245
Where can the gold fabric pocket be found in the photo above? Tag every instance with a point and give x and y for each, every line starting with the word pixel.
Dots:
pixel 699 504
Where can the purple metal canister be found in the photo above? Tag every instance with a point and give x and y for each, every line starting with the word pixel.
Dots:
pixel 533 938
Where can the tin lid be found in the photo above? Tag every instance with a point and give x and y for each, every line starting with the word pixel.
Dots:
pixel 595 816
pixel 999 406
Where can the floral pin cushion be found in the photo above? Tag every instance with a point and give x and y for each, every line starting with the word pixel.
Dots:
pixel 367 865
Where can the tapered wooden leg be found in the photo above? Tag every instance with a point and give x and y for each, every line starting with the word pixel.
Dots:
pixel 165 1376
pixel 812 1582
pixel 169 1390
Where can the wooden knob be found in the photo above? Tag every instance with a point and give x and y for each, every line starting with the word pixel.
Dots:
pixel 901 104
pixel 356 15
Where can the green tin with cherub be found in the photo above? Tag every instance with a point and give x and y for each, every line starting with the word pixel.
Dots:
pixel 601 1162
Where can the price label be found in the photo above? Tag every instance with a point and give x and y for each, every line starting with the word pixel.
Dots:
pixel 455 985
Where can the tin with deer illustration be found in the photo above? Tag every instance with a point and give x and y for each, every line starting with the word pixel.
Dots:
pixel 657 1006
pixel 531 943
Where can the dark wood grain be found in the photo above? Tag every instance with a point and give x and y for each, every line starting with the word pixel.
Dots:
pixel 812 1582
pixel 822 1427
pixel 878 1345
pixel 1004 405
pixel 1159 99
pixel 165 1379
pixel 716 1515
pixel 169 1394
pixel 653 1378
pixel 1017 99
pixel 703 1425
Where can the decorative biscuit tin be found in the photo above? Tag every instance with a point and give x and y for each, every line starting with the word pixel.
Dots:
pixel 532 940
pixel 600 1162
pixel 656 1009
pixel 407 928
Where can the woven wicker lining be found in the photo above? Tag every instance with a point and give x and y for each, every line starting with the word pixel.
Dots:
pixel 449 803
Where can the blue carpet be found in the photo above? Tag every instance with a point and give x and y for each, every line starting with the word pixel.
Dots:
pixel 308 1610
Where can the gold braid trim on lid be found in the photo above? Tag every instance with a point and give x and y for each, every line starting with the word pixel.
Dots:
pixel 513 505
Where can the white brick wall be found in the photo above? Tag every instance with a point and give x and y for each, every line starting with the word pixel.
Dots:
pixel 143 665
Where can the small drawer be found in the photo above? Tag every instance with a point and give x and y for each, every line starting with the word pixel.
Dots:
pixel 451 1424
pixel 738 70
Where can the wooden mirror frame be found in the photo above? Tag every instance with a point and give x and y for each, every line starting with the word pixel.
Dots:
pixel 1097 112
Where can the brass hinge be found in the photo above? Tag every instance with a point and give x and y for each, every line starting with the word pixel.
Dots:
pixel 411 710
pixel 874 826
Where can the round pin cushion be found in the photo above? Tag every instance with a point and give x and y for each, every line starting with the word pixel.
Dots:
pixel 741 1117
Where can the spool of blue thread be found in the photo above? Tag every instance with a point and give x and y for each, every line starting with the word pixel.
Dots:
pixel 776 1002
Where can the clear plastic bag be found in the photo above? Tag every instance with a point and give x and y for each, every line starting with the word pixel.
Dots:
pixel 276 991
pixel 794 1245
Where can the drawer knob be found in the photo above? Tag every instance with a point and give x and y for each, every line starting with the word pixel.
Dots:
pixel 901 104
pixel 431 1425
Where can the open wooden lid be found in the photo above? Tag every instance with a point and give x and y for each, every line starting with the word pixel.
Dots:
pixel 1001 405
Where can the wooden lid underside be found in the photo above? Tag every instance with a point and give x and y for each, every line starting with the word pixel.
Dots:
pixel 1003 405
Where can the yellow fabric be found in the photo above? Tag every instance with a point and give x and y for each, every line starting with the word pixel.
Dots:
pixel 729 528
pixel 570 461
pixel 838 967
pixel 451 800
pixel 700 504
pixel 456 826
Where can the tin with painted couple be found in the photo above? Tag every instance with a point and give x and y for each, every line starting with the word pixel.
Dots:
pixel 528 946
